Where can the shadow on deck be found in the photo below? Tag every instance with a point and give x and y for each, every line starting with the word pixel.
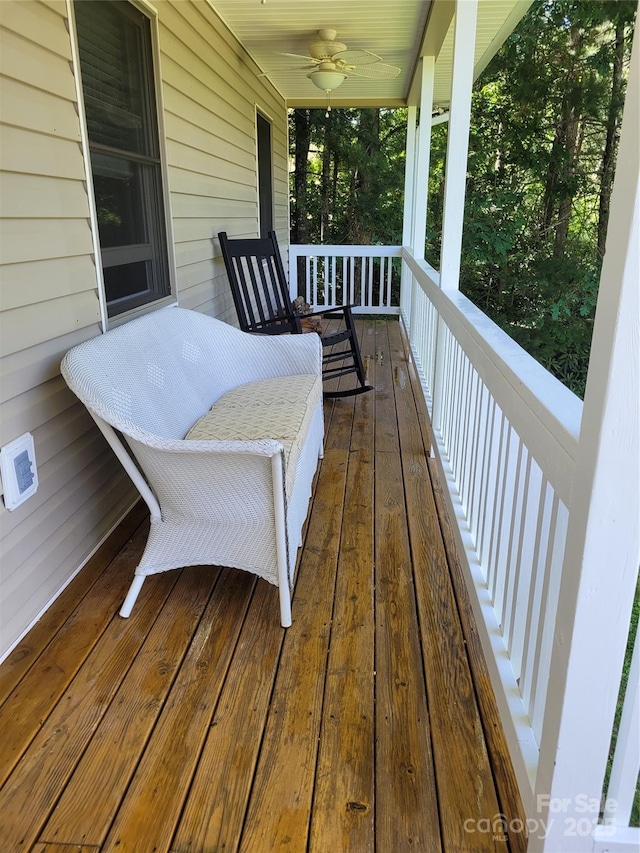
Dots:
pixel 199 724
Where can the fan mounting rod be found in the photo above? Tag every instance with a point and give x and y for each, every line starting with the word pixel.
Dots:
pixel 327 46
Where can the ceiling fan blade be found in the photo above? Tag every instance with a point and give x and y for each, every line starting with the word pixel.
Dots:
pixel 300 56
pixel 360 63
pixel 356 57
pixel 379 71
pixel 288 68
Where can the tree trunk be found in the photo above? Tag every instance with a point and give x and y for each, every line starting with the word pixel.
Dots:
pixel 611 142
pixel 299 219
pixel 300 207
pixel 359 229
pixel 559 189
pixel 326 177
pixel 549 196
pixel 573 143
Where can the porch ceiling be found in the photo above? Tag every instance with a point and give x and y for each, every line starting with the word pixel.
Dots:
pixel 400 32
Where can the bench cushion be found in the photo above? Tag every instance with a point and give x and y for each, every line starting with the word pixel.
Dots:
pixel 279 409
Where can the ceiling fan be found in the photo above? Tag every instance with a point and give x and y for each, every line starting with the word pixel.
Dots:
pixel 330 63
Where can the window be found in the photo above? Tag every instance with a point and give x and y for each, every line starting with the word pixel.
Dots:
pixel 116 63
pixel 265 180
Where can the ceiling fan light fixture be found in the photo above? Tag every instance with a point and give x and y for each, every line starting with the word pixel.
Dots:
pixel 327 81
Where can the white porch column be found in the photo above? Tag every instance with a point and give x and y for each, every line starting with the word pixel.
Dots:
pixel 464 43
pixel 409 177
pixel 603 540
pixel 421 189
pixel 406 280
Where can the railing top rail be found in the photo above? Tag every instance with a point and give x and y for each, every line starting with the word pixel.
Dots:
pixel 315 249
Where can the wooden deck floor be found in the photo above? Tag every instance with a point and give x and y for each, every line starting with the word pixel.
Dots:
pixel 199 724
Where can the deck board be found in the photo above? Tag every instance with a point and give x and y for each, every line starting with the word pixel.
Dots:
pixel 215 807
pixel 406 806
pixel 462 766
pixel 280 805
pixel 510 802
pixel 46 765
pixel 28 704
pixel 94 792
pixel 163 775
pixel 199 724
pixel 343 801
pixel 33 644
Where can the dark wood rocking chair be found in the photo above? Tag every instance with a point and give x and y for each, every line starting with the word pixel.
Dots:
pixel 261 295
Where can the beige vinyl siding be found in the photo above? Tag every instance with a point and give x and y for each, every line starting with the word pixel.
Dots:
pixel 211 91
pixel 48 294
pixel 84 506
pixel 48 303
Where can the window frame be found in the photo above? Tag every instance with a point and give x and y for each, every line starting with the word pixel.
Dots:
pixel 164 211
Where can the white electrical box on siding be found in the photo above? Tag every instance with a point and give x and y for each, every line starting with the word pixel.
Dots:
pixel 19 471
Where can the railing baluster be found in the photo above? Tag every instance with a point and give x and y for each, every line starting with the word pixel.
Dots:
pixel 525 561
pixel 453 392
pixel 537 592
pixel 476 461
pixel 624 771
pixel 463 424
pixel 515 540
pixel 508 508
pixel 470 446
pixel 484 484
pixel 496 512
pixel 313 297
pixel 465 437
pixel 352 273
pixel 483 479
pixel 448 371
pixel 549 606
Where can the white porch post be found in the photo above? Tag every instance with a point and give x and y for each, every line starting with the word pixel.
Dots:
pixel 421 189
pixel 603 541
pixel 416 195
pixel 407 214
pixel 409 177
pixel 464 42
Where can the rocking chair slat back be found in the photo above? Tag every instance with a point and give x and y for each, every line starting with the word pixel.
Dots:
pixel 258 285
pixel 261 295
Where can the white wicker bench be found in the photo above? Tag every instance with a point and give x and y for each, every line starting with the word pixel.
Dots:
pixel 226 429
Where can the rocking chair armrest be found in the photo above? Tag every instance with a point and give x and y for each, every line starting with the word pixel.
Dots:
pixel 265 325
pixel 339 309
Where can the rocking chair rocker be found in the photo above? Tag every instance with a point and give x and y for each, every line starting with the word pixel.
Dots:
pixel 261 297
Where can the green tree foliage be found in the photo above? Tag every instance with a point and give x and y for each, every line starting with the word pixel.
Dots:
pixel 353 163
pixel 544 132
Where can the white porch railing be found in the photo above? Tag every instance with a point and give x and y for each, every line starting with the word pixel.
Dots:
pixel 367 277
pixel 506 435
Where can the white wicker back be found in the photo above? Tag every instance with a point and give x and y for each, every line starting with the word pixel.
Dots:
pixel 159 373
pixel 212 502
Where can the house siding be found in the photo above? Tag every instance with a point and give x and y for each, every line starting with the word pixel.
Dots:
pixel 49 294
pixel 210 95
